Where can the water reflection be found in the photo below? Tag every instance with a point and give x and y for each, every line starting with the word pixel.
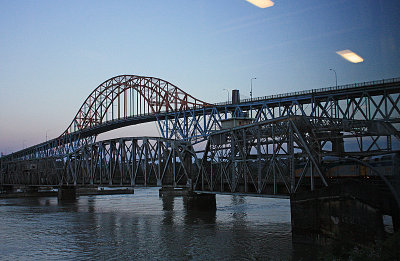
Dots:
pixel 142 226
pixel 168 210
pixel 240 214
pixel 198 215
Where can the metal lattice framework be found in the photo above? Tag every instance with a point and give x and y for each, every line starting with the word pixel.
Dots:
pixel 260 159
pixel 369 101
pixel 286 154
pixel 127 96
pixel 132 161
pixel 180 116
pixel 371 109
pixel 127 161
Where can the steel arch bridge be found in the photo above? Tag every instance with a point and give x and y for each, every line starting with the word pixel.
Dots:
pixel 129 100
pixel 128 96
pixel 366 112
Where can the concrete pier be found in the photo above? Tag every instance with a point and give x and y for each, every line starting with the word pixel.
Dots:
pixel 66 193
pixel 343 211
pixel 173 192
pixel 200 202
pixel 192 201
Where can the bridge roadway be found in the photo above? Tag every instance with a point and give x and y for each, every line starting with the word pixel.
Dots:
pixel 345 92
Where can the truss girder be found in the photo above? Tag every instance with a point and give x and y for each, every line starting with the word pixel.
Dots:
pixel 130 161
pixel 375 101
pixel 182 117
pixel 129 96
pixel 118 162
pixel 282 155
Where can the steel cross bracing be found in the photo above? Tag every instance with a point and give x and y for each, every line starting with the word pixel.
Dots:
pixel 378 101
pixel 287 154
pixel 130 96
pixel 120 101
pixel 122 162
pixel 129 100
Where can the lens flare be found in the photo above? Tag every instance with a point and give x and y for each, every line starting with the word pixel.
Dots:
pixel 261 3
pixel 350 56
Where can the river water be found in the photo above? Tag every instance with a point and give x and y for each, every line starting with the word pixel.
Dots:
pixel 143 226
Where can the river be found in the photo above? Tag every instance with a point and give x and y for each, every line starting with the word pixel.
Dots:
pixel 143 226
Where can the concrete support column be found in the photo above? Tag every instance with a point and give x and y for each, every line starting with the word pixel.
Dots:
pixel 173 192
pixel 338 143
pixel 200 202
pixel 66 192
pixel 32 189
pixel 336 213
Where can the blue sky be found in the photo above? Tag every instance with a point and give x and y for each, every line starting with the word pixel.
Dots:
pixel 54 53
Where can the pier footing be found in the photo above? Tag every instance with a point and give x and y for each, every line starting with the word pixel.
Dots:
pixel 172 192
pixel 343 211
pixel 66 193
pixel 192 201
pixel 200 202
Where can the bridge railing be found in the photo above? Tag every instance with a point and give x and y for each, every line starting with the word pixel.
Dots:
pixel 313 91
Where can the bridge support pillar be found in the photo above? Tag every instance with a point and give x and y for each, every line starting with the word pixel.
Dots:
pixel 200 202
pixel 338 143
pixel 343 212
pixel 66 193
pixel 32 189
pixel 173 192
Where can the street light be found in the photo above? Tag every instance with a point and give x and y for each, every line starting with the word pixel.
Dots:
pixel 227 92
pixel 335 75
pixel 46 134
pixel 251 88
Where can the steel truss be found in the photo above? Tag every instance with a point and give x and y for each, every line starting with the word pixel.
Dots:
pixel 40 171
pixel 283 155
pixel 127 96
pixel 123 162
pixel 371 101
pixel 128 100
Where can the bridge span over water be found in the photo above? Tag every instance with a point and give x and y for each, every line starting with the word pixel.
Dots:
pixel 333 151
pixel 266 145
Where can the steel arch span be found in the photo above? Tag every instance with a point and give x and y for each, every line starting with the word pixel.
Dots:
pixel 371 108
pixel 126 96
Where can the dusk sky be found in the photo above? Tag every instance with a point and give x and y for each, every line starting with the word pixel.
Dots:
pixel 54 53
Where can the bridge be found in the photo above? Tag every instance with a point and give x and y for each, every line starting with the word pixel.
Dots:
pixel 278 145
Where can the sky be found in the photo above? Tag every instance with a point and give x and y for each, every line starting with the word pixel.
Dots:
pixel 53 54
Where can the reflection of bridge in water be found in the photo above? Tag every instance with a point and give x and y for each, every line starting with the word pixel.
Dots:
pixel 287 144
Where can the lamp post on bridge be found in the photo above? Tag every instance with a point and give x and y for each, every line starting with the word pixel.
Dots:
pixel 335 75
pixel 251 88
pixel 46 134
pixel 251 95
pixel 227 92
